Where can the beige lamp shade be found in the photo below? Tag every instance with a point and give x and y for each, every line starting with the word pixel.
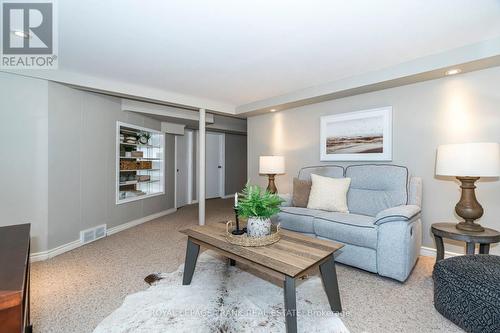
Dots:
pixel 272 165
pixel 468 160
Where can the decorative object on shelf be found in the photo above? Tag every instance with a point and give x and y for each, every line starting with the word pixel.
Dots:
pixel 143 178
pixel 357 136
pixel 128 165
pixel 128 154
pixel 468 162
pixel 144 138
pixel 237 231
pixel 131 139
pixel 139 154
pixel 245 240
pixel 271 166
pixel 144 165
pixel 258 206
pixel 123 178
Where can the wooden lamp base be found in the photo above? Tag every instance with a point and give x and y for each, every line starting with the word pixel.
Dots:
pixel 468 207
pixel 271 186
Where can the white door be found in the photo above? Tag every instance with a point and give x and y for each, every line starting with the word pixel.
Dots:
pixel 182 169
pixel 214 165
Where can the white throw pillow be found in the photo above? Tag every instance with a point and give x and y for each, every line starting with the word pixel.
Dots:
pixel 329 193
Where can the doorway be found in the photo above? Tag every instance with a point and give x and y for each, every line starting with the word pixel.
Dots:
pixel 184 168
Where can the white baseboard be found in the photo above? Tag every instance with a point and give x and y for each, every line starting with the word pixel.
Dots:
pixel 228 196
pixel 430 252
pixel 44 255
pixel 142 220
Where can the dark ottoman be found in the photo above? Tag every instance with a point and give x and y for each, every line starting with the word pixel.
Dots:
pixel 467 291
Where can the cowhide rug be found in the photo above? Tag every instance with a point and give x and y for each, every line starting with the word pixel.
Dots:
pixel 221 298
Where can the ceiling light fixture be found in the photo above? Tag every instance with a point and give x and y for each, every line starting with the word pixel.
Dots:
pixel 453 71
pixel 21 34
pixel 273 110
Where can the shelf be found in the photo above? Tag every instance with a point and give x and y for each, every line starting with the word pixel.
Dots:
pixel 132 182
pixel 153 154
pixel 140 158
pixel 139 145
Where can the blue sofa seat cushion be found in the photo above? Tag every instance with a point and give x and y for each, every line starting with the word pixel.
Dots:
pixel 375 187
pixel 297 218
pixel 347 228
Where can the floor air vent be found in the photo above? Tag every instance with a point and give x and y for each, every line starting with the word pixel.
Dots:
pixel 92 234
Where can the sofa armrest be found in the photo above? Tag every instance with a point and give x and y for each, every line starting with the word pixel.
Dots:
pixel 287 200
pixel 398 213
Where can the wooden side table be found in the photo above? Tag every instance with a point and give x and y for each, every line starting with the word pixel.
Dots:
pixel 448 230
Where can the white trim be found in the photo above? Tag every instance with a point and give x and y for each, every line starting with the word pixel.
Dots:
pixel 44 255
pixel 430 252
pixel 189 137
pixel 222 163
pixel 175 172
pixel 201 171
pixel 228 196
pixel 142 220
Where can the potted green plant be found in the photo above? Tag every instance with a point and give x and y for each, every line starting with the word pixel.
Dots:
pixel 144 138
pixel 258 207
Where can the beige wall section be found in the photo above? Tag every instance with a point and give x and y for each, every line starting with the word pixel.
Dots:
pixel 462 108
pixel 82 162
pixel 23 160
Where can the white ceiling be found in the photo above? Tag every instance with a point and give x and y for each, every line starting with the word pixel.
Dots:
pixel 238 52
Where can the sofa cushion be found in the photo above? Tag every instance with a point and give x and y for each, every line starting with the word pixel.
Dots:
pixel 329 193
pixel 301 190
pixel 297 218
pixel 347 228
pixel 333 171
pixel 376 187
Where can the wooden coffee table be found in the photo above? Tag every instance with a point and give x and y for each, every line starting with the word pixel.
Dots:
pixel 292 257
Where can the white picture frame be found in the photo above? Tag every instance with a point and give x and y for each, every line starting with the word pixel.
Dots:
pixel 357 136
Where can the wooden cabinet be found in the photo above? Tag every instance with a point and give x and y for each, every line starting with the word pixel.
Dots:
pixel 15 279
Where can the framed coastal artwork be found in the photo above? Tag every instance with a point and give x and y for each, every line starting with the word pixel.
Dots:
pixel 357 136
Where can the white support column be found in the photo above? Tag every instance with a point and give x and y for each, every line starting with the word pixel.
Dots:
pixel 201 175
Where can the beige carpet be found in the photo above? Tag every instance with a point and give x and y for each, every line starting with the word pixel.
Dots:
pixel 76 290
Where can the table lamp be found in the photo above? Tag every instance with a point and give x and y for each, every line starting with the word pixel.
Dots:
pixel 468 162
pixel 271 166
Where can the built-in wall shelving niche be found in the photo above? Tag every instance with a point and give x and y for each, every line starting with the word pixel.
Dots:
pixel 140 163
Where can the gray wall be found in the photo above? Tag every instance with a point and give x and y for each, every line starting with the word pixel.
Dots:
pixel 82 164
pixel 58 161
pixel 462 108
pixel 23 160
pixel 236 162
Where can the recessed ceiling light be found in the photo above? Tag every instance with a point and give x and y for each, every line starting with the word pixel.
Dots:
pixel 21 34
pixel 273 110
pixel 453 71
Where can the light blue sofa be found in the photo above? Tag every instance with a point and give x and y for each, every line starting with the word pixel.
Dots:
pixel 382 232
